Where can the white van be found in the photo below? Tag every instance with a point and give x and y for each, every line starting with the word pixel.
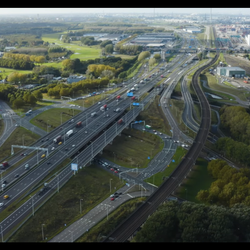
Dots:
pixel 93 114
pixel 26 166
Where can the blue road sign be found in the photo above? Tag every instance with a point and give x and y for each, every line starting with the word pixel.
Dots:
pixel 136 122
pixel 190 47
pixel 148 158
pixel 130 94
pixel 173 160
pixel 136 104
pixel 140 121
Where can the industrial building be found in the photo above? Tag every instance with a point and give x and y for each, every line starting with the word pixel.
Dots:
pixel 74 78
pixel 153 38
pixel 192 30
pixel 236 72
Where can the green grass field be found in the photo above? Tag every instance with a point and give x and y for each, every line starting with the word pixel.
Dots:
pixel 51 119
pixel 81 52
pixel 198 179
pixel 5 72
pixel 132 148
pixel 19 136
pixel 91 184
pixel 158 178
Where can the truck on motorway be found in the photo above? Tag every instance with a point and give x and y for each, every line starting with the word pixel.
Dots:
pixel 4 164
pixel 118 97
pixel 70 132
pixel 120 121
pixel 78 124
pixel 57 139
pixel 148 127
pixel 103 108
pixel 141 81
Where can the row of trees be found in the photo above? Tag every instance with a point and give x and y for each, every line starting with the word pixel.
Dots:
pixel 89 40
pixel 24 57
pixel 77 66
pixel 128 49
pixel 19 97
pixel 236 121
pixel 97 69
pixel 84 86
pixel 232 149
pixel 232 186
pixel 16 64
pixel 191 222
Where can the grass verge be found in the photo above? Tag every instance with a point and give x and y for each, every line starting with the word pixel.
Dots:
pixel 50 119
pixel 198 179
pixel 18 137
pixel 132 148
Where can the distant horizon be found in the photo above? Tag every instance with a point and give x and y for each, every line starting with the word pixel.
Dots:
pixel 79 11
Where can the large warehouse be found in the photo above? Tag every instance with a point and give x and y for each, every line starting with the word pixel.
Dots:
pixel 231 71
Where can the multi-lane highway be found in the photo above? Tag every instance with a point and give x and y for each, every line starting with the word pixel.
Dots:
pixel 127 228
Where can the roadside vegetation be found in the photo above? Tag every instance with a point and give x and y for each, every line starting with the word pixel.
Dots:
pixel 52 118
pixel 20 136
pixel 132 148
pixel 90 184
pixel 198 179
pixel 104 227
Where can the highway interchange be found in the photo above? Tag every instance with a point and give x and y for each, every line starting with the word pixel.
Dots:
pixel 99 137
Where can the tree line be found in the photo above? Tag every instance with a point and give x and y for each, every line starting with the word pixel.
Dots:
pixel 231 186
pixel 24 57
pixel 235 120
pixel 191 222
pixel 16 64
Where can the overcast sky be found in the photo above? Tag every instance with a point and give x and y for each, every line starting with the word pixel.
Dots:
pixel 31 11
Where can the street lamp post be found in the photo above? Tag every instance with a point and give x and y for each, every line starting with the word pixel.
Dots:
pixel 32 205
pixel 110 184
pixel 47 126
pixel 81 206
pixel 42 231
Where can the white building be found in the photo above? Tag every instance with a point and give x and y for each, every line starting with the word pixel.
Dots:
pixel 248 40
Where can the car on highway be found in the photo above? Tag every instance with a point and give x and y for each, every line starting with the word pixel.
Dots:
pixel 99 102
pixel 60 143
pixel 116 171
pixel 112 169
pixel 112 198
pixel 66 149
pixel 73 145
pixel 52 148
pixel 43 156
pixel 86 132
pixel 4 182
pixel 22 154
pixel 16 176
pixel 155 133
pixel 6 196
pixel 3 185
pixel 1 204
pixel 48 163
